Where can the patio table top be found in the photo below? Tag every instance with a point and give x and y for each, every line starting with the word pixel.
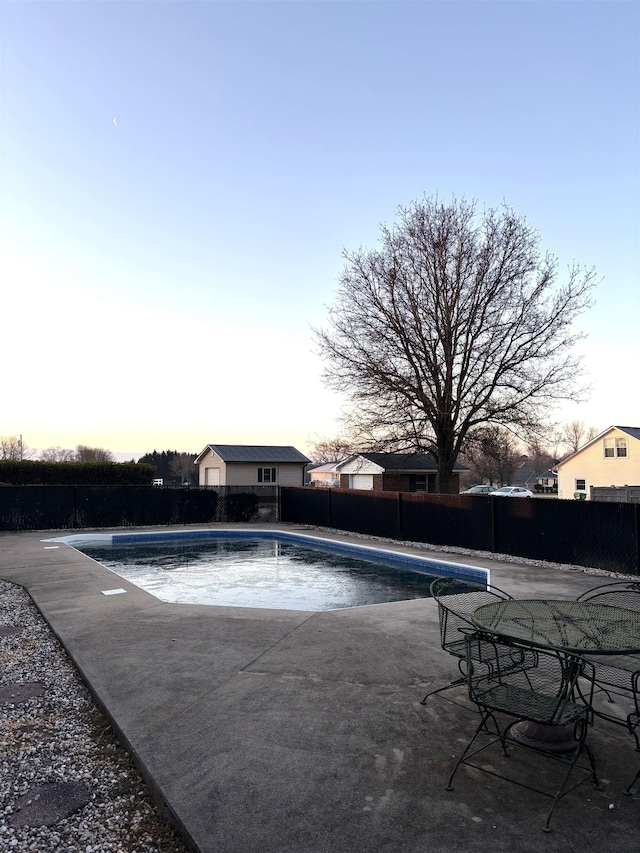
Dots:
pixel 577 627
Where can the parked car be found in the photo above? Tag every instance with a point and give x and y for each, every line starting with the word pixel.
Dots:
pixel 512 492
pixel 478 490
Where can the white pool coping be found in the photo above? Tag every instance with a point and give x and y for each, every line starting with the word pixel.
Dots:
pixel 418 563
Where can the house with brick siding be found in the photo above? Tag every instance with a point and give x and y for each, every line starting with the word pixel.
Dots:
pixel 393 472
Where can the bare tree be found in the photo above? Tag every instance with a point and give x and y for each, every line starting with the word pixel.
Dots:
pixel 493 454
pixel 575 433
pixel 540 457
pixel 182 466
pixel 93 454
pixel 455 321
pixel 13 447
pixel 331 450
pixel 58 454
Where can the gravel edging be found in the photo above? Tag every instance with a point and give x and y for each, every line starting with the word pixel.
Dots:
pixel 465 552
pixel 58 741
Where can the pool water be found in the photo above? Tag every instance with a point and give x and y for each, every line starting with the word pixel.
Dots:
pixel 259 572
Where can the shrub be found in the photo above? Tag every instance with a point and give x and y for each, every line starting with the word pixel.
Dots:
pixel 242 507
pixel 33 473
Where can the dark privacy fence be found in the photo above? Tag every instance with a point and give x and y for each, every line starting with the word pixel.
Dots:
pixel 599 535
pixel 66 507
pixel 583 533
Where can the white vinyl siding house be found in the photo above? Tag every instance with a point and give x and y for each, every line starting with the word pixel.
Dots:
pixel 324 476
pixel 250 465
pixel 610 459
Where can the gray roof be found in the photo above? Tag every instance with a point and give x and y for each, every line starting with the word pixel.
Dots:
pixel 548 475
pixel 258 453
pixel 634 432
pixel 407 461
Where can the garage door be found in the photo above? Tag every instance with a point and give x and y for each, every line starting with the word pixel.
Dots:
pixel 212 476
pixel 361 481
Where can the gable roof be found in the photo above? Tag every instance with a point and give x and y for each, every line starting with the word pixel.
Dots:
pixel 327 468
pixel 255 453
pixel 526 473
pixel 548 475
pixel 634 432
pixel 402 461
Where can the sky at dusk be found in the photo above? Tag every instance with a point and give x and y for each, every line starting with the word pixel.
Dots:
pixel 178 182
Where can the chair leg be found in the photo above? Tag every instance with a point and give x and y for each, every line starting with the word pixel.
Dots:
pixel 628 791
pixel 592 762
pixel 464 677
pixel 481 729
pixel 455 683
pixel 602 689
pixel 562 789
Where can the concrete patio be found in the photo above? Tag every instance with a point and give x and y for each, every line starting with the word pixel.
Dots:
pixel 299 732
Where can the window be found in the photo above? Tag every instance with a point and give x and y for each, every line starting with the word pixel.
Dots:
pixel 581 485
pixel 621 446
pixel 615 447
pixel 266 475
pixel 421 483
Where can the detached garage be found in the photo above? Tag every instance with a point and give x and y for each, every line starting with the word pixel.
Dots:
pixel 250 465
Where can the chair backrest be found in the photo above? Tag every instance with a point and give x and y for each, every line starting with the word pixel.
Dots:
pixel 533 684
pixel 457 599
pixel 617 594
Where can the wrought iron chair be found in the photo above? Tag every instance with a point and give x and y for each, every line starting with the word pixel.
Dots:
pixel 540 691
pixel 618 593
pixel 633 721
pixel 457 599
pixel 616 675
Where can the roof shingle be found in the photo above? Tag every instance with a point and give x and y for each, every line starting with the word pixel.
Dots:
pixel 406 461
pixel 258 453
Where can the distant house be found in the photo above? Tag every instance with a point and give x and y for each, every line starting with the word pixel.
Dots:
pixel 612 458
pixel 250 465
pixel 547 482
pixel 531 477
pixel 324 476
pixel 393 472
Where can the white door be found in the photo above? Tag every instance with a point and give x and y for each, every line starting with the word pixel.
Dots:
pixel 361 481
pixel 212 476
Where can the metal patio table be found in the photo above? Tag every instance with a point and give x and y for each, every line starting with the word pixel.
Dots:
pixel 573 627
pixel 576 627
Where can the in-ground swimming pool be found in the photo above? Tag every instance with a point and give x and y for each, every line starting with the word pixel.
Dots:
pixel 269 569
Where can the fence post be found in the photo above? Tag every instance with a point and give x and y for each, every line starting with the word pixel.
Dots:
pixel 400 529
pixel 330 509
pixel 637 531
pixel 494 526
